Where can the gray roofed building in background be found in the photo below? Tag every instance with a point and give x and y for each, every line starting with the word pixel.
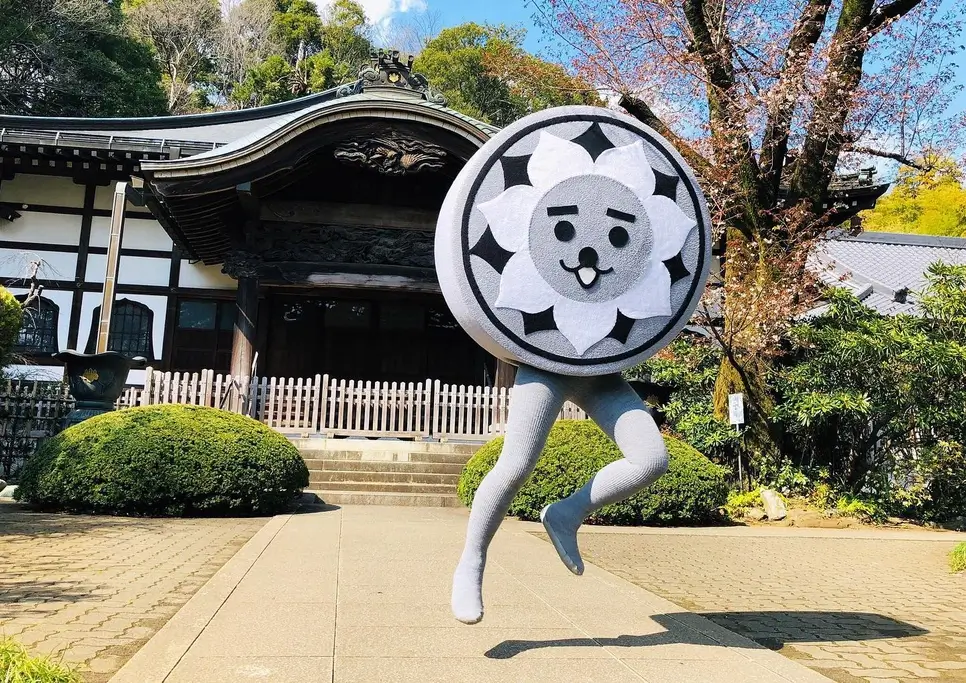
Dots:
pixel 884 270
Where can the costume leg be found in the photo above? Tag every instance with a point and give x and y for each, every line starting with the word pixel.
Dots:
pixel 537 399
pixel 618 410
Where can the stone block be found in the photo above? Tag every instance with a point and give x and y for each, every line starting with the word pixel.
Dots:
pixel 774 505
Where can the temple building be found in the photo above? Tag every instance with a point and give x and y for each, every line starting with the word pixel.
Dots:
pixel 294 239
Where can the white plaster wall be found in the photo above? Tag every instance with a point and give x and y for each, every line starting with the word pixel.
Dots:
pixel 205 277
pixel 104 198
pixel 139 233
pixel 49 228
pixel 41 189
pixel 133 270
pixel 158 304
pixel 63 299
pixel 57 265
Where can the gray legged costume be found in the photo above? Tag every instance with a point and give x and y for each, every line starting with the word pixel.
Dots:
pixel 574 244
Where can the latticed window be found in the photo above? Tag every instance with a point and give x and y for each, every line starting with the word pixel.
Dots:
pixel 38 333
pixel 132 325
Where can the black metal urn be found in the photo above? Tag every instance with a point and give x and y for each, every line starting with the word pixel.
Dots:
pixel 96 381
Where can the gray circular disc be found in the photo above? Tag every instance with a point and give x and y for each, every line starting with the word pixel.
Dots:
pixel 576 241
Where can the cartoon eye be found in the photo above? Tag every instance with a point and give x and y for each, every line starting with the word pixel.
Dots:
pixel 564 231
pixel 619 237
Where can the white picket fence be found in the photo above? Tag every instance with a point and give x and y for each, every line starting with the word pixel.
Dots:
pixel 337 407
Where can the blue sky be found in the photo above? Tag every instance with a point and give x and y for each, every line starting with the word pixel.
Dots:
pixel 519 12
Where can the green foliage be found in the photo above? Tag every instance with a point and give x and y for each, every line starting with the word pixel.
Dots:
pixel 11 318
pixel 860 508
pixel 738 502
pixel 265 83
pixel 74 58
pixel 929 202
pixel 165 460
pixel 689 366
pixel 691 492
pixel 957 558
pixel 483 72
pixel 880 401
pixel 17 666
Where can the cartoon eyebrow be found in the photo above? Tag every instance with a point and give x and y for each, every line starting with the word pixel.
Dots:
pixel 562 210
pixel 629 217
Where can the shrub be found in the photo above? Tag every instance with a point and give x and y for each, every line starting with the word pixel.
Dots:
pixel 165 460
pixel 17 666
pixel 739 502
pixel 11 317
pixel 691 491
pixel 957 558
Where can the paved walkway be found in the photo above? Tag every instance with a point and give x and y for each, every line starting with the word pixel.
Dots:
pixel 91 590
pixel 876 606
pixel 361 594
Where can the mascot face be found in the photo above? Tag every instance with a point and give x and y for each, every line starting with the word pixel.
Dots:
pixel 597 247
pixel 576 241
pixel 588 237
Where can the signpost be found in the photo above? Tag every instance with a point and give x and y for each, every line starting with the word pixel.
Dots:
pixel 736 415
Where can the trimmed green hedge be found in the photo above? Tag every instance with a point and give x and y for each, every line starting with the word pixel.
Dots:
pixel 691 492
pixel 165 460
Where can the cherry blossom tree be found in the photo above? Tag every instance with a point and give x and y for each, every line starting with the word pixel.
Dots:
pixel 766 99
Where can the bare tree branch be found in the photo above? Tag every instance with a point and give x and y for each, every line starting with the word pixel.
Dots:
pixel 641 111
pixel 885 15
pixel 895 156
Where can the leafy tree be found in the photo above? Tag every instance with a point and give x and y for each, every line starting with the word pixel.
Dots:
pixel 244 41
pixel 484 72
pixel 926 202
pixel 73 58
pixel 345 37
pixel 763 98
pixel 689 366
pixel 880 401
pixel 265 83
pixel 184 35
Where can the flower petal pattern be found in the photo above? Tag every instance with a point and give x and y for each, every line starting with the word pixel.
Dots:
pixel 522 288
pixel 669 225
pixel 508 215
pixel 650 296
pixel 556 159
pixel 584 324
pixel 629 166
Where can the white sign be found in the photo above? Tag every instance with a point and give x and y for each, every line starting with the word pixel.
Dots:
pixel 736 408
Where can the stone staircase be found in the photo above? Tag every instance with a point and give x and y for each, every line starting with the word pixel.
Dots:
pixel 384 472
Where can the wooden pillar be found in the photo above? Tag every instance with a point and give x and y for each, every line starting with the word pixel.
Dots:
pixel 506 374
pixel 113 261
pixel 246 320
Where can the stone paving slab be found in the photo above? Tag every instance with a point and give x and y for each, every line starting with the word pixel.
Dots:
pixel 858 605
pixel 90 590
pixel 387 571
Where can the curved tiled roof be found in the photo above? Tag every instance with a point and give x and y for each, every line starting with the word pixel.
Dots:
pixel 882 268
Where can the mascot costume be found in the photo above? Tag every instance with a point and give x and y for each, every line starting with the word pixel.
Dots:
pixel 574 244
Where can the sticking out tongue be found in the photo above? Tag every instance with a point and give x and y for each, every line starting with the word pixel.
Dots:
pixel 587 276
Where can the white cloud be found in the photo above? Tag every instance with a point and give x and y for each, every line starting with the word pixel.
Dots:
pixel 382 12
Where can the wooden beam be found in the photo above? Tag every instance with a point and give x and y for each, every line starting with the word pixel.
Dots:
pixel 353 215
pixel 366 281
pixel 246 321
pixel 113 261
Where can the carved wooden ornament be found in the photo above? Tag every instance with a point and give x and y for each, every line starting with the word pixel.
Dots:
pixel 576 241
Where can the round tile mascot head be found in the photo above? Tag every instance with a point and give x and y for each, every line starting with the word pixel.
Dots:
pixel 575 241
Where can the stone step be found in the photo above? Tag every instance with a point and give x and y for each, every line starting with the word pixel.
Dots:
pixel 384 487
pixel 385 445
pixel 326 476
pixel 384 466
pixel 312 457
pixel 385 498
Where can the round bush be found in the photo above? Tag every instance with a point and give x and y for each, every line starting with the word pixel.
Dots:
pixel 11 318
pixel 165 460
pixel 691 492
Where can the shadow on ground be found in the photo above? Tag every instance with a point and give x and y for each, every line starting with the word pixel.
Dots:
pixel 776 629
pixel 772 630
